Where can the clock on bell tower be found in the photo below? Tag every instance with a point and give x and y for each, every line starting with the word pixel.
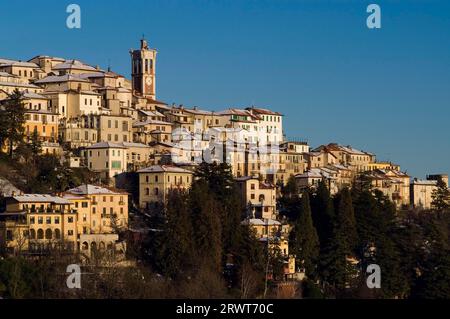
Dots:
pixel 143 63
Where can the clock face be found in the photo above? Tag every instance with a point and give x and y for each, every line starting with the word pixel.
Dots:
pixel 148 81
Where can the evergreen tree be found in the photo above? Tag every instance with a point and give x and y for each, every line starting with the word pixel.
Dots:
pixel 12 120
pixel 304 238
pixel 441 196
pixel 173 247
pixel 207 225
pixel 323 213
pixel 345 218
pixel 336 268
pixel 435 280
pixel 290 190
pixel 35 144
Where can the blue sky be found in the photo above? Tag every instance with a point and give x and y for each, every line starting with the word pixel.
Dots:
pixel 386 91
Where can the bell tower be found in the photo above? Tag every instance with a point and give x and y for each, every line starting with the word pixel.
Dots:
pixel 143 65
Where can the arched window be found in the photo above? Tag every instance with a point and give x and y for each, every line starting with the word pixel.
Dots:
pixel 93 246
pixel 48 234
pixel 32 234
pixel 102 246
pixel 261 198
pixel 156 191
pixel 57 234
pixel 147 191
pixel 40 234
pixel 85 246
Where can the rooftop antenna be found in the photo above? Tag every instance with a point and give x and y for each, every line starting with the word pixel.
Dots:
pixel 109 65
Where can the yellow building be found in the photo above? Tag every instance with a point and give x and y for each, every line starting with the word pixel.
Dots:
pixel 100 210
pixel 108 159
pixel 258 197
pixel 35 223
pixel 155 182
pixel 394 184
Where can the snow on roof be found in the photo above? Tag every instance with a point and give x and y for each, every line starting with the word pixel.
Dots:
pixel 9 75
pixel 424 182
pixel 263 111
pixel 32 95
pixel 26 85
pixel 164 168
pixel 5 62
pixel 74 64
pixel 132 144
pixel 88 189
pixel 61 78
pixel 261 222
pixel 312 173
pixel 40 198
pixel 105 145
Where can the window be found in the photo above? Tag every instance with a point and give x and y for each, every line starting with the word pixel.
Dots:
pixel 156 178
pixel 40 220
pixel 40 234
pixel 84 204
pixel 147 191
pixel 70 220
pixel 9 235
pixel 48 234
pixel 56 220
pixel 84 218
pixel 32 221
pixel 156 191
pixel 70 232
pixel 57 234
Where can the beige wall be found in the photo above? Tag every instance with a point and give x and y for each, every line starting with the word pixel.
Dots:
pixel 154 187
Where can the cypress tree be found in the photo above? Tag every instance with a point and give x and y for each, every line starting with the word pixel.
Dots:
pixel 174 246
pixel 12 115
pixel 441 197
pixel 304 237
pixel 323 213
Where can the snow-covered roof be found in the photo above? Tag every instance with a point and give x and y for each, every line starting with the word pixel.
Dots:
pixel 88 189
pixel 74 64
pixel 261 222
pixel 164 168
pixel 61 78
pixel 105 145
pixel 40 198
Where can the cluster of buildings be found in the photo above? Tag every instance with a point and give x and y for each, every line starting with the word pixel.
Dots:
pixel 111 125
pixel 84 219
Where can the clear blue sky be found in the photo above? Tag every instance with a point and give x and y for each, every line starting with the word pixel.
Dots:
pixel 386 91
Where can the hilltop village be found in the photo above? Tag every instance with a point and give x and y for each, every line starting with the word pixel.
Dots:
pixel 131 151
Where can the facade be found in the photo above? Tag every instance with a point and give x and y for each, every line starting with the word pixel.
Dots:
pixel 35 223
pixel 156 181
pixel 394 184
pixel 100 210
pixel 421 193
pixel 108 159
pixel 258 197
